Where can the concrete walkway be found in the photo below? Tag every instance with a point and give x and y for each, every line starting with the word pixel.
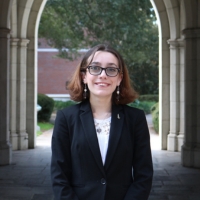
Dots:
pixel 28 178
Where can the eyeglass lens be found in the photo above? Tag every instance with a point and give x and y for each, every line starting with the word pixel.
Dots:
pixel 97 70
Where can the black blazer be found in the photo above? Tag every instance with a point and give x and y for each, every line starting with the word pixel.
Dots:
pixel 77 170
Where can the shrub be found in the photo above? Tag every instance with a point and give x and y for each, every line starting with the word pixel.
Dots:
pixel 58 105
pixel 149 97
pixel 47 105
pixel 143 105
pixel 155 116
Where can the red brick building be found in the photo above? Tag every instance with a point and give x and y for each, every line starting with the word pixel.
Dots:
pixel 53 72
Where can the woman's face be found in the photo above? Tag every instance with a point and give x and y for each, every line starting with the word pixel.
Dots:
pixel 102 86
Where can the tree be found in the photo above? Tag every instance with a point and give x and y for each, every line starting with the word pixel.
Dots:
pixel 129 26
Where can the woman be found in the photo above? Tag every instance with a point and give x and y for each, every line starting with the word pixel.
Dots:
pixel 101 147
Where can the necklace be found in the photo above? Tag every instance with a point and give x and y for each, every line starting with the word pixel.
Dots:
pixel 102 126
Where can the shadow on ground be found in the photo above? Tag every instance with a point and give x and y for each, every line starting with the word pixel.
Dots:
pixel 28 177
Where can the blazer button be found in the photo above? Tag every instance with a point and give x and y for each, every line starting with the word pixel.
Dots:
pixel 103 181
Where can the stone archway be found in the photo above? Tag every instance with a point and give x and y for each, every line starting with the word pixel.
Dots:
pixel 18 35
pixel 179 78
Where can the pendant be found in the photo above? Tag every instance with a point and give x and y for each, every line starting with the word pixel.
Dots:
pixel 98 130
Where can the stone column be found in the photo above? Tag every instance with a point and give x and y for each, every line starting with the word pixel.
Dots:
pixel 13 93
pixel 180 137
pixel 21 94
pixel 190 156
pixel 197 149
pixel 31 112
pixel 174 95
pixel 5 146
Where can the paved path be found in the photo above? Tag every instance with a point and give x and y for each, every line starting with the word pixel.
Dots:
pixel 28 178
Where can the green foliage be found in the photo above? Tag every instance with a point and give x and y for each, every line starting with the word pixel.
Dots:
pixel 127 26
pixel 145 76
pixel 58 105
pixel 47 105
pixel 149 97
pixel 155 116
pixel 143 105
pixel 45 126
pixel 39 133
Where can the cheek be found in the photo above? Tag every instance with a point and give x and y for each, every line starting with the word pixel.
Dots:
pixel 89 79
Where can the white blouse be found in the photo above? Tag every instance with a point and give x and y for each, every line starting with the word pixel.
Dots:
pixel 103 131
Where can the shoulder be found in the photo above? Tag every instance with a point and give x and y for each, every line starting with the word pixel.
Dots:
pixel 69 111
pixel 67 115
pixel 75 110
pixel 133 115
pixel 132 111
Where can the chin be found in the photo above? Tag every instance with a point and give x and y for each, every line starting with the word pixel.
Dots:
pixel 103 95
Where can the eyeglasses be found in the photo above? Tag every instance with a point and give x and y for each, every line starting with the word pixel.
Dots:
pixel 97 70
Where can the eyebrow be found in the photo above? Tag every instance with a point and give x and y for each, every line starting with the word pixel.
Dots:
pixel 107 64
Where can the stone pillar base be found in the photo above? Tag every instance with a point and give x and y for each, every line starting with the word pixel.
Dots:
pixel 190 156
pixel 5 153
pixel 23 141
pixel 172 142
pixel 14 141
pixel 180 140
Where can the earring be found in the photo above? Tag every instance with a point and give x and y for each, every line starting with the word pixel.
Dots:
pixel 85 92
pixel 118 92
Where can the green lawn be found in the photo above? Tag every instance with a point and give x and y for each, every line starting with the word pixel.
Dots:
pixel 44 126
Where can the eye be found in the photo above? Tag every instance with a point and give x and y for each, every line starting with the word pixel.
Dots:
pixel 95 68
pixel 111 69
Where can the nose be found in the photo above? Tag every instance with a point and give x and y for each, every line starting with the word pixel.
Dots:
pixel 103 73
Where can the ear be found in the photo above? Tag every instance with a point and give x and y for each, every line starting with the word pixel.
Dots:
pixel 83 76
pixel 120 77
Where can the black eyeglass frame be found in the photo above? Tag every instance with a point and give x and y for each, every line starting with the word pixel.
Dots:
pixel 118 70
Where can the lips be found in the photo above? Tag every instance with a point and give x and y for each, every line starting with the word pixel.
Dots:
pixel 102 84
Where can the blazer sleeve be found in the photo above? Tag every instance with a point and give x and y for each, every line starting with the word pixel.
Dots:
pixel 61 160
pixel 142 161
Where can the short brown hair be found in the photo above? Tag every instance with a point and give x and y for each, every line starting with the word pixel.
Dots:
pixel 76 85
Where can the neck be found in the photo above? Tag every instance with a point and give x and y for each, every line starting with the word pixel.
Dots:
pixel 101 109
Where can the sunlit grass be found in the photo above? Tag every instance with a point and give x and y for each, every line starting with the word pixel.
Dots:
pixel 44 126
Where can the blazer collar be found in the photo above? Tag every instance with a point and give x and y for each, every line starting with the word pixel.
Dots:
pixel 117 122
pixel 90 133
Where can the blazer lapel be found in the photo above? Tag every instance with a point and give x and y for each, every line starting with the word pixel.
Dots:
pixel 90 133
pixel 117 122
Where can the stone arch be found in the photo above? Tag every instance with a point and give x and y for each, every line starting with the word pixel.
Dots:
pixel 23 73
pixel 164 79
pixel 173 14
pixel 24 9
pixel 31 101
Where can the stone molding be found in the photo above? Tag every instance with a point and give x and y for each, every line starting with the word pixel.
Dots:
pixel 175 43
pixel 4 33
pixel 191 33
pixel 14 41
pixel 23 42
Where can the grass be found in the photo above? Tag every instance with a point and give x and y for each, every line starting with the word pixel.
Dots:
pixel 44 126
